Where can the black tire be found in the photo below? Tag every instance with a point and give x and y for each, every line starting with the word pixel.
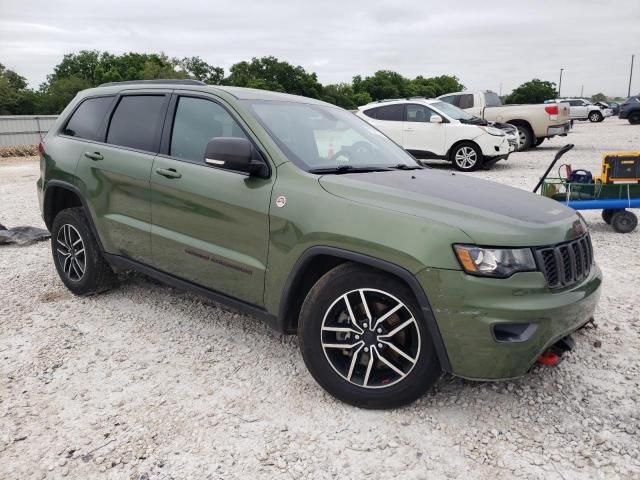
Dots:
pixel 539 141
pixel 634 119
pixel 527 139
pixel 624 221
pixel 595 117
pixel 83 272
pixel 466 157
pixel 336 370
pixel 607 213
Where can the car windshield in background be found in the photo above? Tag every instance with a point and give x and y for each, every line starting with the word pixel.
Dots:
pixel 323 139
pixel 492 99
pixel 453 111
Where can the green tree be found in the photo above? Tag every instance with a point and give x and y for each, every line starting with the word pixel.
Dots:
pixel 15 97
pixel 383 84
pixel 535 91
pixel 201 70
pixel 269 73
pixel 599 97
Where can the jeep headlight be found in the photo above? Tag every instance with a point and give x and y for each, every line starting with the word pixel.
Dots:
pixel 494 131
pixel 494 262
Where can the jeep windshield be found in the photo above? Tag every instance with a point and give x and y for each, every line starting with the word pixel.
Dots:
pixel 323 139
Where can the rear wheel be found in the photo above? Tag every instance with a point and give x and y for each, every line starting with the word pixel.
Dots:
pixel 527 140
pixel 539 141
pixel 624 221
pixel 634 119
pixel 364 340
pixel 466 157
pixel 77 256
pixel 595 117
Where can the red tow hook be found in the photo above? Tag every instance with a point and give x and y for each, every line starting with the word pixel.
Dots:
pixel 549 358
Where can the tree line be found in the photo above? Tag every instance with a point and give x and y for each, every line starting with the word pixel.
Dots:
pixel 86 69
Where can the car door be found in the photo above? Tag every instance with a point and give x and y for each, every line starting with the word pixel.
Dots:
pixel 114 174
pixel 422 138
pixel 388 119
pixel 210 225
pixel 578 109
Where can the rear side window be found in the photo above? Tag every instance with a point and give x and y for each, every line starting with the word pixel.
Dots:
pixel 492 99
pixel 392 113
pixel 196 122
pixel 87 119
pixel 136 122
pixel 466 101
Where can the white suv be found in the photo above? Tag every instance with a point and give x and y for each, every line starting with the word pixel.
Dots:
pixel 436 129
pixel 582 109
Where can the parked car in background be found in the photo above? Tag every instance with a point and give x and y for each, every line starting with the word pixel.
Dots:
pixel 608 108
pixel 630 110
pixel 582 109
pixel 429 128
pixel 299 213
pixel 615 107
pixel 534 122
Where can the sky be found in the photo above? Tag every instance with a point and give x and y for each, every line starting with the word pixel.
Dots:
pixel 488 44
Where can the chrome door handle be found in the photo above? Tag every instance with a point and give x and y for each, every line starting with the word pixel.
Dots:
pixel 168 173
pixel 93 155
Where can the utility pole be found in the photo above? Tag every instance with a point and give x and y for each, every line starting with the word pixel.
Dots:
pixel 560 84
pixel 500 89
pixel 630 76
pixel 582 91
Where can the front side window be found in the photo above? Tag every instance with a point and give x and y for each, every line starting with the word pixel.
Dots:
pixel 466 101
pixel 318 137
pixel 196 122
pixel 418 113
pixel 87 119
pixel 136 122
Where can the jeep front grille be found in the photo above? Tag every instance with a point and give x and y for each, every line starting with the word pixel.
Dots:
pixel 566 264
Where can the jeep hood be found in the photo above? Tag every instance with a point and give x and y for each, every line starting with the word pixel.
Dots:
pixel 490 213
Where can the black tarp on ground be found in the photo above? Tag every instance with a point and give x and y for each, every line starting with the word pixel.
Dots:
pixel 22 235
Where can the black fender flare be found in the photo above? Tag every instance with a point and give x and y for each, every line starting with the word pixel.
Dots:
pixel 400 272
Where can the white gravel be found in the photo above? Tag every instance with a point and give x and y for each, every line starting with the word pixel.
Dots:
pixel 147 382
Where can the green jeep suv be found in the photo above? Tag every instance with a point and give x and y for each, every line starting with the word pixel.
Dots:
pixel 302 214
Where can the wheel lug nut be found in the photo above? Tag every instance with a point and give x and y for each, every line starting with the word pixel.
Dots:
pixel 379 330
pixel 365 325
pixel 357 337
pixel 366 349
pixel 379 345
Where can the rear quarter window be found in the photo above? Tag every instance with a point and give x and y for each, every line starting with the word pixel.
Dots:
pixel 136 122
pixel 86 120
pixel 390 113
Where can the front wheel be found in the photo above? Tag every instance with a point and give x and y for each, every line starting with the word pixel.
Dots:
pixel 595 117
pixel 634 119
pixel 364 339
pixel 466 157
pixel 624 221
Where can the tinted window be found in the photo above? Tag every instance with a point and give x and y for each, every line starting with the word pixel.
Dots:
pixel 196 122
pixel 392 113
pixel 452 99
pixel 86 120
pixel 466 101
pixel 418 113
pixel 136 122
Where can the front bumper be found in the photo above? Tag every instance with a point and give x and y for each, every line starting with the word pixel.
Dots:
pixel 468 309
pixel 554 130
pixel 493 148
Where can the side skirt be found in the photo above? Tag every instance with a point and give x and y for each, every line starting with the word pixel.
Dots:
pixel 118 261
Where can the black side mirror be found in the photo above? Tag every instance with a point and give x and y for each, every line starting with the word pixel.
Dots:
pixel 235 154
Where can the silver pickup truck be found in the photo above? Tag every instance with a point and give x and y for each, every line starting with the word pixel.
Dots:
pixel 534 122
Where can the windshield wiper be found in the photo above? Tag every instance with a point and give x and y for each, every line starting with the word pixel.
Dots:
pixel 404 166
pixel 347 169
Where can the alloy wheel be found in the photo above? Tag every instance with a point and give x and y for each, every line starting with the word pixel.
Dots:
pixel 370 338
pixel 71 252
pixel 466 157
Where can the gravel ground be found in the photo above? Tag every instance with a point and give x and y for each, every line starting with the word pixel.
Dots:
pixel 147 382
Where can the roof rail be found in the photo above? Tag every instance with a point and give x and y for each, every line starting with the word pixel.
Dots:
pixel 153 82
